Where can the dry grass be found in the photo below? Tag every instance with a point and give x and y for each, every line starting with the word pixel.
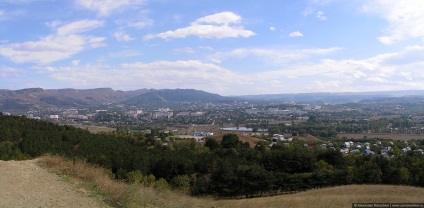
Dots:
pixel 306 138
pixel 94 129
pixel 251 140
pixel 87 175
pixel 342 196
pixel 119 194
pixel 403 137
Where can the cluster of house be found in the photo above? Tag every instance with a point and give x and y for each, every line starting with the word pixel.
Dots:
pixel 242 129
pixel 71 114
pixel 365 148
pixel 280 138
pixel 357 147
pixel 203 134
pixel 134 113
pixel 253 134
pixel 167 113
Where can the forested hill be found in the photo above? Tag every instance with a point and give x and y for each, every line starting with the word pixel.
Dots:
pixel 225 168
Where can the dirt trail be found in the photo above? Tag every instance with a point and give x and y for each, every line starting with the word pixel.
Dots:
pixel 25 184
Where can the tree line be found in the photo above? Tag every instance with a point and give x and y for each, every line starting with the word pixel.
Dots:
pixel 223 168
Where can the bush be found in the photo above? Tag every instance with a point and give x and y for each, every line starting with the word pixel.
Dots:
pixel 161 184
pixel 181 182
pixel 135 177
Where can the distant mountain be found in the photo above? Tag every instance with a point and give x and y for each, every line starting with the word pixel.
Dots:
pixel 177 95
pixel 335 98
pixel 38 98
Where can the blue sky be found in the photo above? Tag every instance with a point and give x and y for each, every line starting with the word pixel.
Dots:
pixel 227 47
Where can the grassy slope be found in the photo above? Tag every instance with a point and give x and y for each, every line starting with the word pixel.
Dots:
pixel 119 194
pixel 342 196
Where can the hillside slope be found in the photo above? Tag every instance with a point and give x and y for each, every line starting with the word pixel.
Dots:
pixel 138 196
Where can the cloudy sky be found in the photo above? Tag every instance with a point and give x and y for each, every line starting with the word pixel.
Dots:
pixel 229 47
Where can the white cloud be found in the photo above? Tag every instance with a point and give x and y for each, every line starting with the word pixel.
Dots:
pixel 296 34
pixel 405 18
pixel 65 42
pixel 308 11
pixel 311 11
pixel 75 62
pixel 322 2
pixel 125 53
pixel 321 16
pixel 220 25
pixel 122 36
pixel 78 27
pixel 216 61
pixel 322 86
pixel 9 14
pixel 106 7
pixel 376 79
pixel 276 56
pixel 209 48
pixel 159 75
pixel 53 25
pixel 141 24
pixel 185 50
pixel 139 19
pixel 272 28
pixel 223 18
pixel 6 71
pixel 391 71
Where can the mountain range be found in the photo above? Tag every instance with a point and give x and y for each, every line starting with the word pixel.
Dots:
pixel 333 98
pixel 38 98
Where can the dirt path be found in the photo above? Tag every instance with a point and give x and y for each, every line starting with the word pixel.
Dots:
pixel 25 184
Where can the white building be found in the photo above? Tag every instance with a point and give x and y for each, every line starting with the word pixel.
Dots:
pixel 279 137
pixel 55 117
pixel 162 114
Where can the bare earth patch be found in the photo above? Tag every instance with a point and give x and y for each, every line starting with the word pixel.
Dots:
pixel 25 184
